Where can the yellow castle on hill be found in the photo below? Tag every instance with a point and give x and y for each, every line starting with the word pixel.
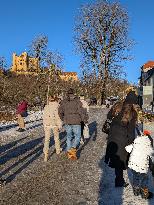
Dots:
pixel 69 76
pixel 24 64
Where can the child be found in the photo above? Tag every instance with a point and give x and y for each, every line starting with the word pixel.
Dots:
pixel 84 127
pixel 141 154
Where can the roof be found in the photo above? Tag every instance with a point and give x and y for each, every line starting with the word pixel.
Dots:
pixel 149 65
pixel 69 73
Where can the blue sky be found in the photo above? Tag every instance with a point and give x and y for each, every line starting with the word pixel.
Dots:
pixel 21 21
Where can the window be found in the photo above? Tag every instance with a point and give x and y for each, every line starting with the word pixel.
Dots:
pixel 149 81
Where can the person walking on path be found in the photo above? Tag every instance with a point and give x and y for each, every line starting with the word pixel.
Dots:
pixel 51 121
pixel 141 156
pixel 21 113
pixel 84 127
pixel 123 117
pixel 72 114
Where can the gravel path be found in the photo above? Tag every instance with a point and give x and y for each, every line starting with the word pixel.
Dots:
pixel 87 181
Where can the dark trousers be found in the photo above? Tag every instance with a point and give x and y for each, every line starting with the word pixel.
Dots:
pixel 119 180
pixel 82 128
pixel 140 179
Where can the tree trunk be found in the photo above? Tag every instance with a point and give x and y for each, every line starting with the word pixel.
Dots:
pixel 103 88
pixel 48 87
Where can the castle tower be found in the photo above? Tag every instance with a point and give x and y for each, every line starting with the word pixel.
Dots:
pixel 24 64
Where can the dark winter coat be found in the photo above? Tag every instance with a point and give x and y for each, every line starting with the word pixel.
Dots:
pixel 71 111
pixel 120 135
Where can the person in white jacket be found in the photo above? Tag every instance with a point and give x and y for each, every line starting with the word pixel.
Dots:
pixel 141 153
pixel 84 127
pixel 51 121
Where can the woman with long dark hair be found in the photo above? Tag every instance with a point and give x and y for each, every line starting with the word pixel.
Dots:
pixel 121 134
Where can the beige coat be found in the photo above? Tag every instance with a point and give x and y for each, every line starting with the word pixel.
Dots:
pixel 50 115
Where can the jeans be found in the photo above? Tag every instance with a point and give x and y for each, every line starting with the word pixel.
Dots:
pixel 73 130
pixel 140 179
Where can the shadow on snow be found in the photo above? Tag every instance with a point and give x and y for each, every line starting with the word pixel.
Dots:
pixel 24 154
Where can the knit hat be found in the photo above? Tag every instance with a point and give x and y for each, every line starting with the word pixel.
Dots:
pixel 70 91
pixel 131 98
pixel 146 132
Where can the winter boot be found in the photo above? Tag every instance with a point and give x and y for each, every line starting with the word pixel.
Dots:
pixel 74 157
pixel 2 182
pixel 71 154
pixel 21 130
pixel 136 191
pixel 59 151
pixel 146 194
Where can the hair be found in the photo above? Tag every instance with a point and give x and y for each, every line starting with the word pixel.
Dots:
pixel 124 111
pixel 128 113
pixel 52 98
pixel 131 98
pixel 117 108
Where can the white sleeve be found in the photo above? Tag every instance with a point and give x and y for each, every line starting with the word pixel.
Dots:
pixel 129 148
pixel 151 153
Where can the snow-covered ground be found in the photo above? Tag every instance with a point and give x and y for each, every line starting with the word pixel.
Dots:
pixel 8 130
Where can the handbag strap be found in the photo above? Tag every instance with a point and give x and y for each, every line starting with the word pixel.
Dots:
pixel 138 131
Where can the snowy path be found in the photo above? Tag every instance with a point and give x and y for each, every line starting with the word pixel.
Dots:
pixel 8 129
pixel 87 181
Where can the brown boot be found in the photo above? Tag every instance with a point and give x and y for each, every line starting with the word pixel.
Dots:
pixel 2 182
pixel 136 191
pixel 74 151
pixel 71 154
pixel 146 194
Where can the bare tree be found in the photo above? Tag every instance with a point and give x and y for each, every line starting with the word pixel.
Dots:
pixel 3 72
pixel 3 64
pixel 101 37
pixel 38 48
pixel 54 58
pixel 54 61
